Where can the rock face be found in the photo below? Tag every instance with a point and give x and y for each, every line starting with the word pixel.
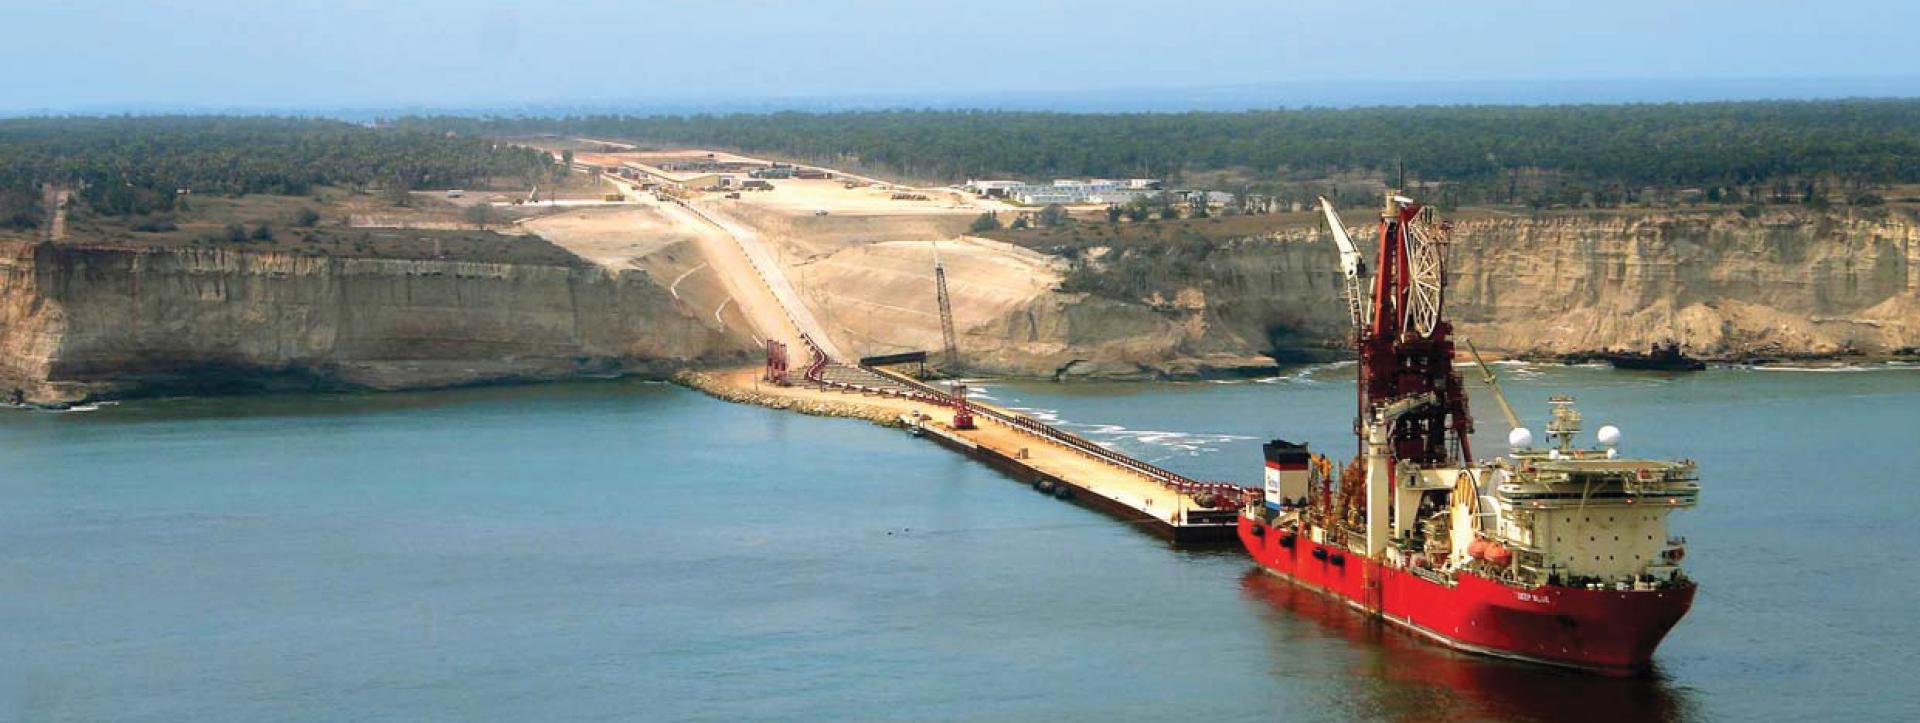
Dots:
pixel 81 321
pixel 1726 285
pixel 1783 283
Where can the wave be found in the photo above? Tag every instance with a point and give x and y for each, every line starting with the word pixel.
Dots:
pixel 1305 375
pixel 66 410
pixel 1188 443
pixel 1836 369
pixel 1045 416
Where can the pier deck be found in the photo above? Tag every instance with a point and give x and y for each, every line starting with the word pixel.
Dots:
pixel 1027 450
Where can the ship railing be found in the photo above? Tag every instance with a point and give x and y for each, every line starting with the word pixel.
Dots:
pixel 1089 448
pixel 1432 575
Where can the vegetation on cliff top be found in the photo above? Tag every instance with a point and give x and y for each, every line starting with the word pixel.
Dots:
pixel 1481 154
pixel 138 165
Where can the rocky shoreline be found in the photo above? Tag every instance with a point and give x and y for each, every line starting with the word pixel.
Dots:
pixel 714 387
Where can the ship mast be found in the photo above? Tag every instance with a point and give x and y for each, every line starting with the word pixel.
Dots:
pixel 1412 406
pixel 1407 349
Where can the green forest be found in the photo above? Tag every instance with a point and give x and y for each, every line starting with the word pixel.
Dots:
pixel 138 165
pixel 1599 154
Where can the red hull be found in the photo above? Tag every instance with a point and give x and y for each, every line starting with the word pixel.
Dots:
pixel 1601 630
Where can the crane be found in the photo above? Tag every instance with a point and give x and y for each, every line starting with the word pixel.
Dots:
pixel 1493 382
pixel 951 352
pixel 1352 265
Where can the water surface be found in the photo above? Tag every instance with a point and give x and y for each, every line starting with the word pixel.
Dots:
pixel 628 551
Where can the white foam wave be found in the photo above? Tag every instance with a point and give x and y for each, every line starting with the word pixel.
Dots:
pixel 1045 416
pixel 1839 369
pixel 1306 374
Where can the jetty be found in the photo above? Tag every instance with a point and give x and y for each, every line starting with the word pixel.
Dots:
pixel 1045 457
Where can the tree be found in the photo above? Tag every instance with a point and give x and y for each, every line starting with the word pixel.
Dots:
pixel 236 233
pixel 481 215
pixel 1481 153
pixel 1113 214
pixel 306 218
pixel 1019 223
pixel 1053 215
pixel 397 193
pixel 984 222
pixel 263 232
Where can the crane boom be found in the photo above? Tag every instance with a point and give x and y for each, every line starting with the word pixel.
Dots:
pixel 1352 265
pixel 950 360
pixel 1513 420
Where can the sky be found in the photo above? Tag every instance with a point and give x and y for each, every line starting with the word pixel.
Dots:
pixel 95 55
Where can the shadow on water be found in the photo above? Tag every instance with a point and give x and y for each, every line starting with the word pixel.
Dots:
pixel 1394 675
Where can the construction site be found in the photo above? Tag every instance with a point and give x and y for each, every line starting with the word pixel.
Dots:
pixel 859 295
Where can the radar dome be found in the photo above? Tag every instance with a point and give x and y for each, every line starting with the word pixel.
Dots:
pixel 1609 435
pixel 1520 437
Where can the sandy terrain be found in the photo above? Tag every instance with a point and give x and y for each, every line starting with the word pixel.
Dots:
pixel 612 236
pixel 807 196
pixel 858 278
pixel 880 298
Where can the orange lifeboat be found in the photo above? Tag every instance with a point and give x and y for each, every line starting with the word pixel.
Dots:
pixel 1499 555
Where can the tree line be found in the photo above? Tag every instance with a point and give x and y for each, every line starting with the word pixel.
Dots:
pixel 129 165
pixel 1483 153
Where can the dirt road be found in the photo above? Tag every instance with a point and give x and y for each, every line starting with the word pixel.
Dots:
pixel 773 279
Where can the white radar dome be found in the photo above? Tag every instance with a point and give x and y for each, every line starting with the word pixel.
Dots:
pixel 1520 437
pixel 1609 435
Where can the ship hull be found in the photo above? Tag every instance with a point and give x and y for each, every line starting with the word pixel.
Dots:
pixel 1656 365
pixel 1607 631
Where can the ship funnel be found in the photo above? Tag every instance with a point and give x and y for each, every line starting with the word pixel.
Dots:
pixel 1520 437
pixel 1609 435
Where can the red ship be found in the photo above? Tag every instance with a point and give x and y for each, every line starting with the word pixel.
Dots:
pixel 1556 554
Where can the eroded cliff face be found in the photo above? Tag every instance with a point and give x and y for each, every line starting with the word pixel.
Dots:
pixel 81 321
pixel 1783 283
pixel 1726 285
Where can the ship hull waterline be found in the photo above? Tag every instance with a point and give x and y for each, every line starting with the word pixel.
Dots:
pixel 1611 632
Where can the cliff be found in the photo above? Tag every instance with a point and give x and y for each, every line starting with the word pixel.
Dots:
pixel 80 320
pixel 1729 286
pixel 84 321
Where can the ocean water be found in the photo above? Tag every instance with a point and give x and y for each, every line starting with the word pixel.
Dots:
pixel 635 551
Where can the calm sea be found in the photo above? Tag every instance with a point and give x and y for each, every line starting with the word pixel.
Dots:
pixel 634 551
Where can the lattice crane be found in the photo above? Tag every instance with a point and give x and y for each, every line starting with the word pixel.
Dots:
pixel 950 359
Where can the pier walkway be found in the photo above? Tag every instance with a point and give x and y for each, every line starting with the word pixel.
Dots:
pixel 1064 464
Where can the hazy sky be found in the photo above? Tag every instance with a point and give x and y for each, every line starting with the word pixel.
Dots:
pixel 89 54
